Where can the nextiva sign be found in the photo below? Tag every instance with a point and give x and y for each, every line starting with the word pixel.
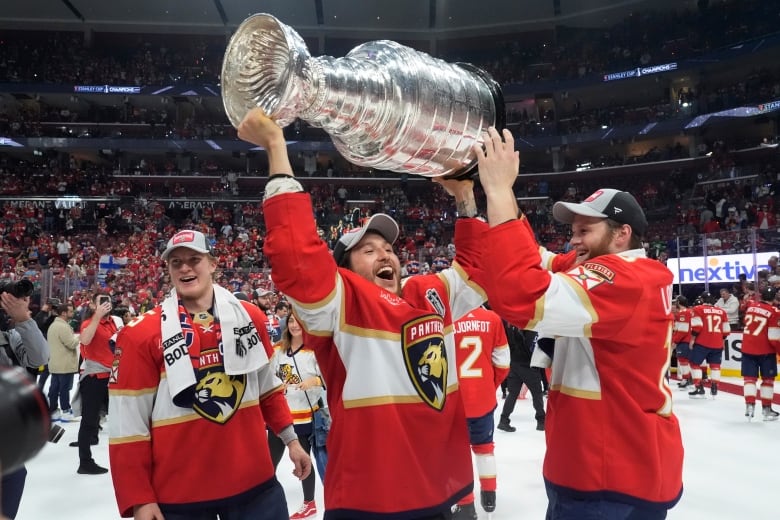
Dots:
pixel 718 269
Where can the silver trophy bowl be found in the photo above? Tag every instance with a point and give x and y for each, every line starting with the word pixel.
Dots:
pixel 386 106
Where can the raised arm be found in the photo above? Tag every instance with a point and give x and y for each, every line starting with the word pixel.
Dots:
pixel 498 167
pixel 257 128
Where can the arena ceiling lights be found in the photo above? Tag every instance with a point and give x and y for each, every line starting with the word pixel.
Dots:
pixel 424 19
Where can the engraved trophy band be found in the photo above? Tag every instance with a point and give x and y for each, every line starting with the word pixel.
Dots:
pixel 385 105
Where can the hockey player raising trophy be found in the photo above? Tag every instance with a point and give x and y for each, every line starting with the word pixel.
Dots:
pixel 385 106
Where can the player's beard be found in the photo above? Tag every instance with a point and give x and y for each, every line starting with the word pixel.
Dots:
pixel 598 249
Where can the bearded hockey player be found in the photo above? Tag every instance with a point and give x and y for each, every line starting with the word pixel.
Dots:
pixel 608 435
pixel 398 447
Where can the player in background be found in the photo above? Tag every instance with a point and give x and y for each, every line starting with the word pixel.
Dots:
pixel 760 344
pixel 709 327
pixel 482 355
pixel 522 351
pixel 440 263
pixel 681 337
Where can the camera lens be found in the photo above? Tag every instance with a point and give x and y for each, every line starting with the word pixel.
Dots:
pixel 26 421
pixel 23 288
pixel 20 289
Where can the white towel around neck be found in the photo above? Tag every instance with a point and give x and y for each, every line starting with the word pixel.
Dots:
pixel 242 349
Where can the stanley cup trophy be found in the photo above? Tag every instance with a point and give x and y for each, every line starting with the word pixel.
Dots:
pixel 385 106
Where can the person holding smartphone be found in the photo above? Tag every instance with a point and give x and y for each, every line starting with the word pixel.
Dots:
pixel 97 348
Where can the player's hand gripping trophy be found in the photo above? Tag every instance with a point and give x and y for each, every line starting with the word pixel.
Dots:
pixel 386 106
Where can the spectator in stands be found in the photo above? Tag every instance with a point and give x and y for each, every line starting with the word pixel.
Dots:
pixel 282 312
pixel 711 226
pixel 656 247
pixel 772 263
pixel 75 271
pixel 63 249
pixel 765 219
pixel 263 299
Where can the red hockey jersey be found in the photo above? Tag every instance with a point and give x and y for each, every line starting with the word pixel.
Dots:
pixel 681 331
pixel 709 326
pixel 610 428
pixel 398 446
pixel 482 353
pixel 761 334
pixel 189 458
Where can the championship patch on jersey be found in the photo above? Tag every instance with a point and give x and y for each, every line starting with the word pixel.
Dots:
pixel 115 366
pixel 205 320
pixel 217 395
pixel 425 357
pixel 590 275
pixel 435 300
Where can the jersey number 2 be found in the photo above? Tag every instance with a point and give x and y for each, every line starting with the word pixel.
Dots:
pixel 472 344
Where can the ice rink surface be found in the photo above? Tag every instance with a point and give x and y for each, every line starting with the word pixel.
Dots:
pixel 729 469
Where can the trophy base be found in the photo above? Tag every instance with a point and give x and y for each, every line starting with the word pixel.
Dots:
pixel 470 172
pixel 460 176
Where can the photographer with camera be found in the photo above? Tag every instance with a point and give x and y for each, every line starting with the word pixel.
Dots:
pixel 21 344
pixel 98 333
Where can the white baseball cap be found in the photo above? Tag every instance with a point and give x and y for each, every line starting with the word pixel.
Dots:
pixel 380 223
pixel 190 239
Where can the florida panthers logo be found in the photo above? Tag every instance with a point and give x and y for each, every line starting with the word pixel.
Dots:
pixel 425 355
pixel 218 395
pixel 287 375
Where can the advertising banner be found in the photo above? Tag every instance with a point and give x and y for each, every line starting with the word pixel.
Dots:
pixel 717 269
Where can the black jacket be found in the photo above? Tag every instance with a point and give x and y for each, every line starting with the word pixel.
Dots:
pixel 521 343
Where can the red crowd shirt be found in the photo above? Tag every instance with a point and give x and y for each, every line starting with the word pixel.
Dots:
pixel 98 349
